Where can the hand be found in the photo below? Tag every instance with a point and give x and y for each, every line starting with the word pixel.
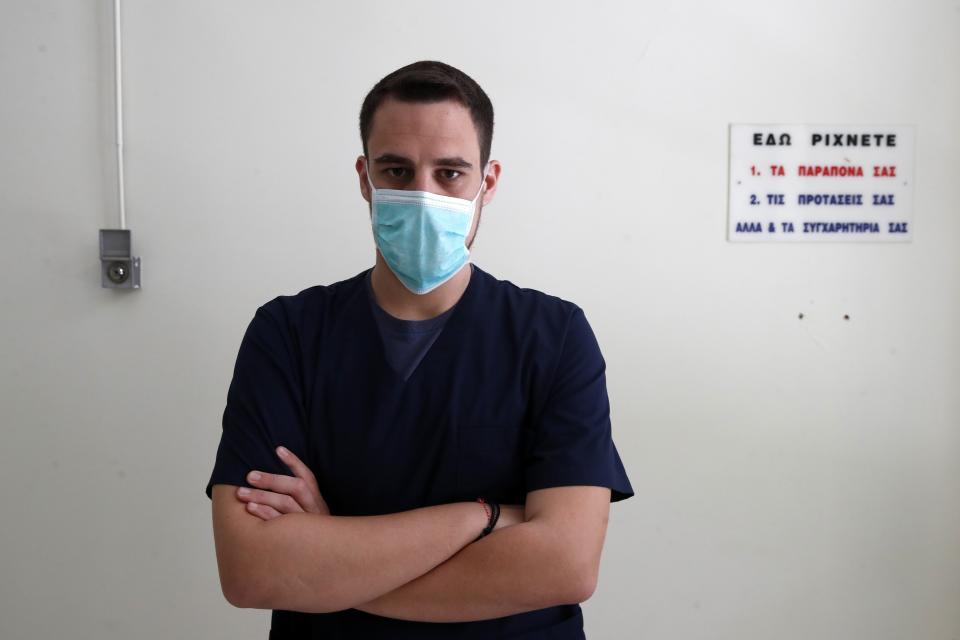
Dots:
pixel 510 514
pixel 279 494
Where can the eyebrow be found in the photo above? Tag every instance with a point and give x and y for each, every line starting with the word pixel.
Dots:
pixel 455 162
pixel 392 158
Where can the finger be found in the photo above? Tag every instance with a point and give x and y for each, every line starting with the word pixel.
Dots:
pixel 299 468
pixel 280 502
pixel 303 471
pixel 262 511
pixel 287 485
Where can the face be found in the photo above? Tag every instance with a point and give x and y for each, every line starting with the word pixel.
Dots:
pixel 427 147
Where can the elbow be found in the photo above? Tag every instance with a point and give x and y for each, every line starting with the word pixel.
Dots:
pixel 242 580
pixel 234 597
pixel 585 586
pixel 249 592
pixel 580 587
pixel 580 583
pixel 574 572
pixel 239 592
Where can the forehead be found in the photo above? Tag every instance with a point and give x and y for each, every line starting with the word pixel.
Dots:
pixel 415 129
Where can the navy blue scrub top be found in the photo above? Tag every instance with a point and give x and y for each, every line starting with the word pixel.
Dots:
pixel 510 397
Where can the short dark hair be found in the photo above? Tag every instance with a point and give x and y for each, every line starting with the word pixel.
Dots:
pixel 432 81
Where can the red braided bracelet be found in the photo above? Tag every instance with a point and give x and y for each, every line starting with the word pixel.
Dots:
pixel 492 517
pixel 486 509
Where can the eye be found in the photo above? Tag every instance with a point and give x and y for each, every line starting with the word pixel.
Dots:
pixel 450 174
pixel 396 172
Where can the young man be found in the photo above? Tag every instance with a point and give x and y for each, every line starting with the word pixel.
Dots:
pixel 433 444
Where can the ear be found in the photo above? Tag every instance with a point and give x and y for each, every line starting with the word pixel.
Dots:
pixel 492 179
pixel 361 166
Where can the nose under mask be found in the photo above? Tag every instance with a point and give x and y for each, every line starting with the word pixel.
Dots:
pixel 421 235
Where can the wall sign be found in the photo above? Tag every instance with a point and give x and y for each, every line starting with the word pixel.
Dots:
pixel 820 183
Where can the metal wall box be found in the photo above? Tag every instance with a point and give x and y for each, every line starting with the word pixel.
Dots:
pixel 119 268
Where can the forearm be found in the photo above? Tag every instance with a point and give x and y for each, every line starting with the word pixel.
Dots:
pixel 512 570
pixel 319 563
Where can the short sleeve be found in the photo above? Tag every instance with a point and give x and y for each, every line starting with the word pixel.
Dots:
pixel 572 439
pixel 264 406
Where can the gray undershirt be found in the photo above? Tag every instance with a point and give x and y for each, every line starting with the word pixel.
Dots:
pixel 406 341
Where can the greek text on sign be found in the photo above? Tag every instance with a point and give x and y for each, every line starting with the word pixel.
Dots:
pixel 820 183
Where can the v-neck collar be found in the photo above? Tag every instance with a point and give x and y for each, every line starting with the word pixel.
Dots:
pixel 450 335
pixel 399 326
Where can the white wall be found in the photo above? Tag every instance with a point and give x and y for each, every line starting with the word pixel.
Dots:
pixel 795 479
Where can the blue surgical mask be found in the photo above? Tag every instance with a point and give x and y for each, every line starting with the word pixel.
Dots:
pixel 421 235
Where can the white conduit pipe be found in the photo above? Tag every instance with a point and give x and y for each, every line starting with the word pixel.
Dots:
pixel 117 55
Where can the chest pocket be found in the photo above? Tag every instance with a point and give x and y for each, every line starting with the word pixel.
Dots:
pixel 490 463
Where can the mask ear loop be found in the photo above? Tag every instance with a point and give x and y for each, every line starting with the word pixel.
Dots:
pixel 366 163
pixel 473 203
pixel 483 183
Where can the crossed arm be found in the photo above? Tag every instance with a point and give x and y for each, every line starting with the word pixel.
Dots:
pixel 552 558
pixel 415 565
